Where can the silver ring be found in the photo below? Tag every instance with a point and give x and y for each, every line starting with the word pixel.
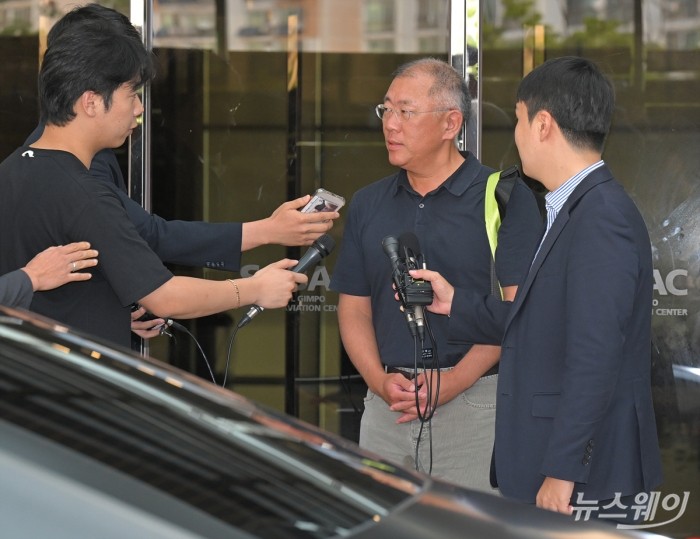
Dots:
pixel 73 266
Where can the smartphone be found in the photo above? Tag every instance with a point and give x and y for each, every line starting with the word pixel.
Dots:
pixel 323 200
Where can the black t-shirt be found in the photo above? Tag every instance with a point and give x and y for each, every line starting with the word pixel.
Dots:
pixel 190 243
pixel 47 198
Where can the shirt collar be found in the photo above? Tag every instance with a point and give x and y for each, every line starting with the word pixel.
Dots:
pixel 456 184
pixel 557 198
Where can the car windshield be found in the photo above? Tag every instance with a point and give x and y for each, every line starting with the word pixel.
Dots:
pixel 197 456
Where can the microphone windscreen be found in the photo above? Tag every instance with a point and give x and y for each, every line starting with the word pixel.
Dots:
pixel 391 246
pixel 409 243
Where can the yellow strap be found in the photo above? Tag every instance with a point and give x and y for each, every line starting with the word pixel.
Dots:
pixel 492 217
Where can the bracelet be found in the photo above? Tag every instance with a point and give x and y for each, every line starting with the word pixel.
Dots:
pixel 238 292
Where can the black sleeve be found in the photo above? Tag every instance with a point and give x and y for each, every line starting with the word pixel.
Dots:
pixel 518 236
pixel 16 289
pixel 130 266
pixel 189 243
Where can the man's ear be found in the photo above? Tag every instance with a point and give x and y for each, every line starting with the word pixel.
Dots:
pixel 89 103
pixel 545 122
pixel 453 123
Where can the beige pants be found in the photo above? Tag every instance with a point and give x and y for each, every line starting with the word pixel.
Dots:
pixel 462 436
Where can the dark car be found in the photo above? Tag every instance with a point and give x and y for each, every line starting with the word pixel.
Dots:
pixel 100 443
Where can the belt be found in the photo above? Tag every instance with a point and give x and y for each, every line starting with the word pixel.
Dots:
pixel 405 371
pixel 408 371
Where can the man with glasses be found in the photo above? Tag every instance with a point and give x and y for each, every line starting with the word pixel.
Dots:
pixel 576 430
pixel 438 195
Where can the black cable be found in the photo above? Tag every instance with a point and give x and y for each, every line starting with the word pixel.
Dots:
pixel 426 415
pixel 416 390
pixel 180 327
pixel 436 367
pixel 228 353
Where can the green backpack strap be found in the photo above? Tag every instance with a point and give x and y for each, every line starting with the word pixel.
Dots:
pixel 498 189
pixel 492 216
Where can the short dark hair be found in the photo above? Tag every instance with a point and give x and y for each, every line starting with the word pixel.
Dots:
pixel 449 86
pixel 93 15
pixel 90 48
pixel 578 95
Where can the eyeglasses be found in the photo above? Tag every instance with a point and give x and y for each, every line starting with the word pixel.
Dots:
pixel 402 114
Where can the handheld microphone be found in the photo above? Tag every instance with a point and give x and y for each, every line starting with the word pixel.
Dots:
pixel 408 243
pixel 391 247
pixel 319 249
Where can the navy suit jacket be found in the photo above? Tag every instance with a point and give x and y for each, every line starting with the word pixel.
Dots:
pixel 574 391
pixel 189 243
pixel 16 289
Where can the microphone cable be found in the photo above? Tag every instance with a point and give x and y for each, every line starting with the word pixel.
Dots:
pixel 175 325
pixel 427 414
pixel 164 330
pixel 180 327
pixel 236 327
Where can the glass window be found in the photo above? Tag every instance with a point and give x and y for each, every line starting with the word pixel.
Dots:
pixel 431 14
pixel 379 16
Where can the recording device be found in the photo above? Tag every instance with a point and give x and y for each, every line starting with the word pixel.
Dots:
pixel 318 250
pixel 323 200
pixel 404 254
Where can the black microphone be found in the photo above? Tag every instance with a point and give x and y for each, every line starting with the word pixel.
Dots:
pixel 409 244
pixel 391 247
pixel 319 249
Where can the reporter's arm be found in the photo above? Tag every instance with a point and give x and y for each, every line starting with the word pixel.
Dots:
pixel 188 243
pixel 474 318
pixel 188 297
pixel 287 226
pixel 16 289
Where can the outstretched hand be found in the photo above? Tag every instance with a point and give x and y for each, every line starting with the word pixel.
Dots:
pixel 274 284
pixel 57 266
pixel 290 227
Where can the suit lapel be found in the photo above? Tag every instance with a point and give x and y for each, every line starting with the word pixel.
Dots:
pixel 594 179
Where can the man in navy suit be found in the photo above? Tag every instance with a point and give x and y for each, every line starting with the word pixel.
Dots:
pixel 574 414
